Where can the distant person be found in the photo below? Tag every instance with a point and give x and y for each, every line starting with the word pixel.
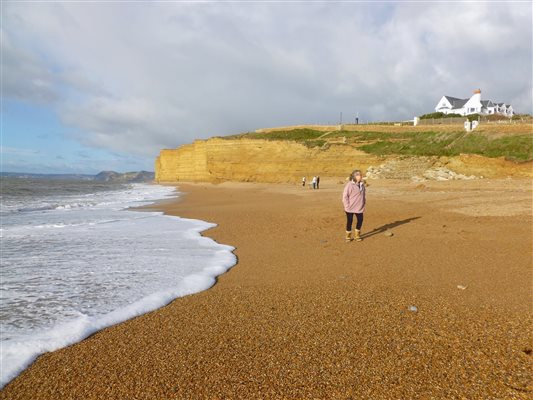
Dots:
pixel 303 181
pixel 318 182
pixel 314 182
pixel 354 201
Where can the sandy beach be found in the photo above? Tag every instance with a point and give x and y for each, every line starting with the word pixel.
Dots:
pixel 304 315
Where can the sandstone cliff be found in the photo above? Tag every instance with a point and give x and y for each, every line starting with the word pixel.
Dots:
pixel 257 160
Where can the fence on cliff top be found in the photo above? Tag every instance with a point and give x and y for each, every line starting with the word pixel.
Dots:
pixel 443 121
pixel 459 121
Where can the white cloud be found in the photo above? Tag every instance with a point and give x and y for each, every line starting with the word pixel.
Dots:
pixel 24 76
pixel 140 76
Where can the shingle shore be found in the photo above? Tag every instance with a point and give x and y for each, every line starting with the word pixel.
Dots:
pixel 304 315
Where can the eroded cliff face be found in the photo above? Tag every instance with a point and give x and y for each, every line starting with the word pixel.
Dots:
pixel 252 160
pixel 473 164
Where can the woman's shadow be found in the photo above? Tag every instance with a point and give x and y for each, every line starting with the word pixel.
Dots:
pixel 383 228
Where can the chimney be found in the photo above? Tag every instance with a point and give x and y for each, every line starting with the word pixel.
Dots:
pixel 475 102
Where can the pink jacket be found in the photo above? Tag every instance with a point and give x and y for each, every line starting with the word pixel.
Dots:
pixel 353 197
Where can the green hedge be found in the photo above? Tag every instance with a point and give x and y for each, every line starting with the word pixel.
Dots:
pixel 437 115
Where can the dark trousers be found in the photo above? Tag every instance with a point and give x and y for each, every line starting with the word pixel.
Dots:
pixel 349 221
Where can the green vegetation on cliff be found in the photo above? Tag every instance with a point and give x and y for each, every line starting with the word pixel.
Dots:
pixel 512 142
pixel 516 148
pixel 309 137
pixel 439 115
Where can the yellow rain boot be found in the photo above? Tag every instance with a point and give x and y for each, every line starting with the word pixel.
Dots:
pixel 349 237
pixel 358 235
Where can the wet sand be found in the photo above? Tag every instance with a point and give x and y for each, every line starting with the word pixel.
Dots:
pixel 304 315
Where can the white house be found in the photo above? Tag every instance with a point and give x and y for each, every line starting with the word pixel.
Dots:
pixel 473 105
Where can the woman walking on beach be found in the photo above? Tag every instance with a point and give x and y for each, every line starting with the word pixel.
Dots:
pixel 354 201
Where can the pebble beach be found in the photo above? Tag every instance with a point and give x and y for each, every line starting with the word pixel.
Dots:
pixel 435 302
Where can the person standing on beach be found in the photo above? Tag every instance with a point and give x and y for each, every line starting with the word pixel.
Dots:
pixel 318 182
pixel 303 181
pixel 314 182
pixel 354 200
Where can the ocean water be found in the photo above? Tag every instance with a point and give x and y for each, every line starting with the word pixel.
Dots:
pixel 75 260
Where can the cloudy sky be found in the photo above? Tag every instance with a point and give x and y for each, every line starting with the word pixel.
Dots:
pixel 88 86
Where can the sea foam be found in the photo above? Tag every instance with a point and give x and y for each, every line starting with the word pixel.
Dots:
pixel 68 272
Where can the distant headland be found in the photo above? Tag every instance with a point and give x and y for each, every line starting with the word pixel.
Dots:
pixel 103 176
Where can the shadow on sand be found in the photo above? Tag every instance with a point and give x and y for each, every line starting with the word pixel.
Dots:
pixel 383 228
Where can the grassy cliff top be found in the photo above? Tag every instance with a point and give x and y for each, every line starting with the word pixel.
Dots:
pixel 512 141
